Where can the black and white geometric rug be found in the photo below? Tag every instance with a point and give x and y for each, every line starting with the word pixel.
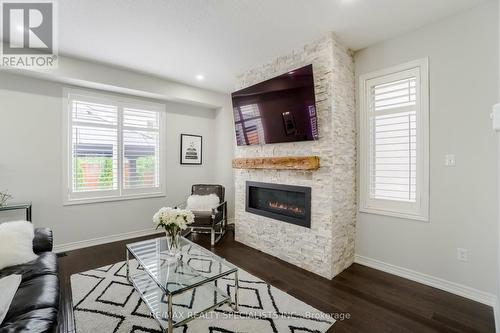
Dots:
pixel 104 301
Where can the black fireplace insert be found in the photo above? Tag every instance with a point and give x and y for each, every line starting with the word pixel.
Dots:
pixel 286 203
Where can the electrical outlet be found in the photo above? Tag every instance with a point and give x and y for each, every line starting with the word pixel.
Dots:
pixel 462 254
pixel 450 160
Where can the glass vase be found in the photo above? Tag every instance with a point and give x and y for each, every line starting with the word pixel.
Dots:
pixel 173 245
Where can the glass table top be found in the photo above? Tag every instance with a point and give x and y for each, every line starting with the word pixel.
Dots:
pixel 15 205
pixel 197 266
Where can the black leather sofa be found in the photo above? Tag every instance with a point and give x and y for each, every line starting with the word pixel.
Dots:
pixel 36 303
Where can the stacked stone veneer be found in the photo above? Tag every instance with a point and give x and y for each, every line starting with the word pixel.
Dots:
pixel 327 247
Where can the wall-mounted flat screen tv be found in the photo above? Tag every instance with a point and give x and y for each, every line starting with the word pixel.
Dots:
pixel 282 109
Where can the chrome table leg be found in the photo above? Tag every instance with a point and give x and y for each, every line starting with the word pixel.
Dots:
pixel 128 270
pixel 170 315
pixel 236 291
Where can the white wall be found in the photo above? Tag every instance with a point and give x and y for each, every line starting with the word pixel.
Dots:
pixel 31 162
pixel 87 74
pixel 224 152
pixel 188 120
pixel 95 75
pixel 497 308
pixel 463 58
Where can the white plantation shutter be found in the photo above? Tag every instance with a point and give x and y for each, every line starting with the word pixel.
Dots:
pixel 94 147
pixel 393 133
pixel 113 148
pixel 141 146
pixel 394 141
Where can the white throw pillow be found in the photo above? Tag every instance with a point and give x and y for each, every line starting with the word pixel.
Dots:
pixel 202 203
pixel 16 243
pixel 8 288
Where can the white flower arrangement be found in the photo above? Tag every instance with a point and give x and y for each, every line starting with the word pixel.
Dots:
pixel 4 197
pixel 173 220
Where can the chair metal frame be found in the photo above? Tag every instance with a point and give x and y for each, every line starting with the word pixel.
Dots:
pixel 216 230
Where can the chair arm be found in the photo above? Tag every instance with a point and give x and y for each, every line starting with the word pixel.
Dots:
pixel 43 240
pixel 222 206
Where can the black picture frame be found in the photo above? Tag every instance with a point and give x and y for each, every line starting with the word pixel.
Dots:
pixel 194 154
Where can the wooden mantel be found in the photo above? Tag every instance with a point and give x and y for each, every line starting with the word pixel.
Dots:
pixel 278 163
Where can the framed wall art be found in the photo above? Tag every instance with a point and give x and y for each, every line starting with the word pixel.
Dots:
pixel 191 149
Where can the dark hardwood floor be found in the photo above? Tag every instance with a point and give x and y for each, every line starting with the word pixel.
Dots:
pixel 375 301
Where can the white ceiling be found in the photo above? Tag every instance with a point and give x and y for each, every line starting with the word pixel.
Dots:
pixel 179 39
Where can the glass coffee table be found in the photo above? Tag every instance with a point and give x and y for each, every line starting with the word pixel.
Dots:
pixel 179 291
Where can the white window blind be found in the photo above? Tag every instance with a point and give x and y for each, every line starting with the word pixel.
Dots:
pixel 394 141
pixel 113 148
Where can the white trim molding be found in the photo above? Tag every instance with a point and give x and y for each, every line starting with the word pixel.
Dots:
pixel 418 207
pixel 120 103
pixel 496 309
pixel 103 240
pixel 429 280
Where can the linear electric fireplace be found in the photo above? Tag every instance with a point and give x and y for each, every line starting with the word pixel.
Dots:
pixel 286 203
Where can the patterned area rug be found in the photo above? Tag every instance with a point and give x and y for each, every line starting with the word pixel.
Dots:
pixel 104 301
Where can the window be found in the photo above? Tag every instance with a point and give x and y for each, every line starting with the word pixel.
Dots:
pixel 113 148
pixel 394 136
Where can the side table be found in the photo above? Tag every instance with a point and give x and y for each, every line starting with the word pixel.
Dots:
pixel 16 206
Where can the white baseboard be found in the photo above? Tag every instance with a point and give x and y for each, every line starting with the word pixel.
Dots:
pixel 496 310
pixel 432 281
pixel 103 240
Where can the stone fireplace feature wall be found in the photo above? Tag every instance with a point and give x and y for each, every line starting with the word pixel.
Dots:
pixel 327 247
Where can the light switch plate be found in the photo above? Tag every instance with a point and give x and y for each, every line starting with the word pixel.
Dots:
pixel 495 116
pixel 462 254
pixel 450 160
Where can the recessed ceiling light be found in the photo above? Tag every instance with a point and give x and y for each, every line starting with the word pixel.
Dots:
pixel 200 77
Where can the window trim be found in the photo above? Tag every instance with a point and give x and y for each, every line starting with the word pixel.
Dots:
pixel 420 210
pixel 71 198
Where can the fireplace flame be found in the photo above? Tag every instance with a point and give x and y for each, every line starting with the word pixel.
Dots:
pixel 283 206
